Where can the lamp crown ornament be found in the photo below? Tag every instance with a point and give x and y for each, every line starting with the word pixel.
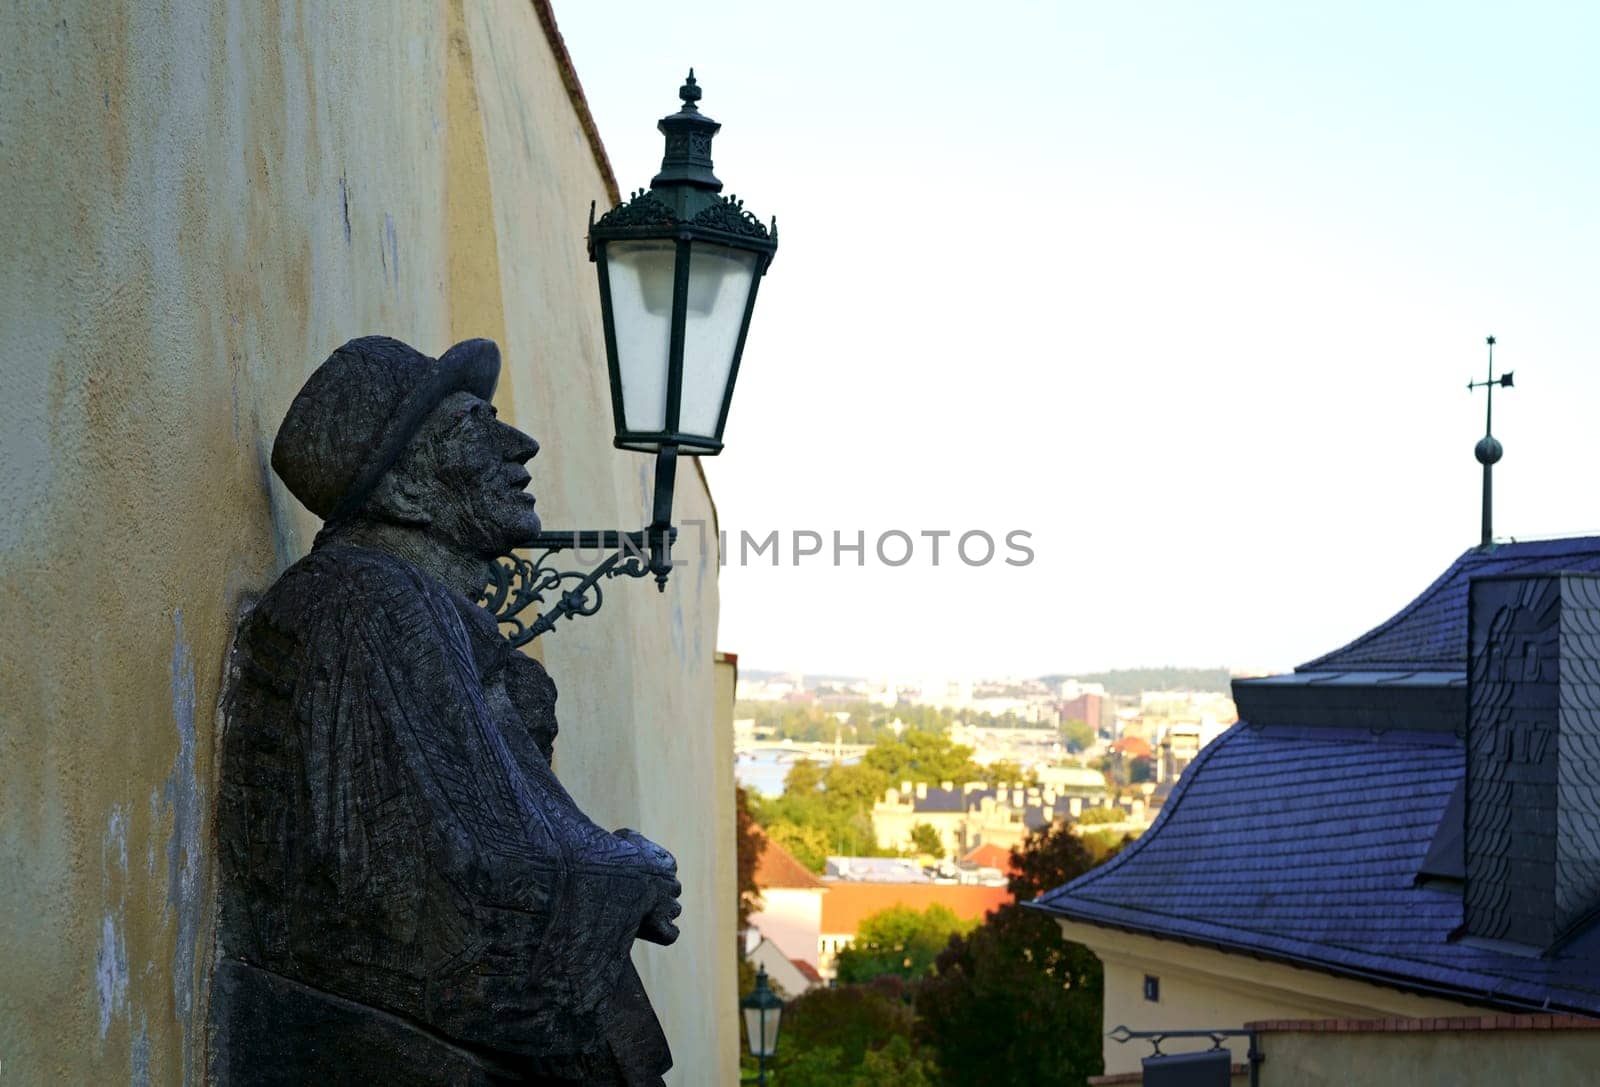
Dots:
pixel 687 160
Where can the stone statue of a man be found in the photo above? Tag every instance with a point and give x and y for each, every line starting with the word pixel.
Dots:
pixel 408 893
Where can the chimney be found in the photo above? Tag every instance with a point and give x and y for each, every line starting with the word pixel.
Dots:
pixel 1533 758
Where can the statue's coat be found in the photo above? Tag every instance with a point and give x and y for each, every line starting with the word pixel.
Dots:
pixel 392 838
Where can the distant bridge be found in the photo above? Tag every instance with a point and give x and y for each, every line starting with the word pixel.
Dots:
pixel 793 750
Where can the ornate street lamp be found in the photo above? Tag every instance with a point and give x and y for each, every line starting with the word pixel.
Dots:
pixel 762 1011
pixel 679 265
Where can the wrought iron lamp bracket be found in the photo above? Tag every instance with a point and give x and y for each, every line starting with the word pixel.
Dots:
pixel 519 582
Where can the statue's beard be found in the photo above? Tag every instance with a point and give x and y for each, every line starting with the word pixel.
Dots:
pixel 488 524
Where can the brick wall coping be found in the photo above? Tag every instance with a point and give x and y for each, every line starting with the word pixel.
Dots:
pixel 1138 1077
pixel 1421 1026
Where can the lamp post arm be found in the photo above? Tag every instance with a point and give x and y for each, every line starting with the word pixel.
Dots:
pixel 518 583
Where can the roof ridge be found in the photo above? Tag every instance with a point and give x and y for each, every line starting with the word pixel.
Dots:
pixel 1173 800
pixel 1436 585
pixel 1515 551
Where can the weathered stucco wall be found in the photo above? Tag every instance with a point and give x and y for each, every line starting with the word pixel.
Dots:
pixel 1527 1057
pixel 202 200
pixel 1202 988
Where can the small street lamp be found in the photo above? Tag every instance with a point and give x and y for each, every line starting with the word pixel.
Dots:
pixel 762 1011
pixel 679 265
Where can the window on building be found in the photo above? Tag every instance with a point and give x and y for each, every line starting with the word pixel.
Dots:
pixel 1152 988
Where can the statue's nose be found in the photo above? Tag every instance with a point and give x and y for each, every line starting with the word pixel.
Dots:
pixel 519 446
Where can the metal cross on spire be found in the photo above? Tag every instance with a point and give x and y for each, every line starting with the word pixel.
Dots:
pixel 1489 449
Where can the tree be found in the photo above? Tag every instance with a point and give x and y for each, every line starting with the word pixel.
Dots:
pixel 825 809
pixel 895 1064
pixel 1105 844
pixel 925 839
pixel 1014 1002
pixel 1106 814
pixel 808 845
pixel 922 757
pixel 748 844
pixel 899 941
pixel 1141 769
pixel 1077 734
pixel 1005 772
pixel 829 1032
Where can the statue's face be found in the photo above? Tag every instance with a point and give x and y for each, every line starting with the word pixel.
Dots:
pixel 465 469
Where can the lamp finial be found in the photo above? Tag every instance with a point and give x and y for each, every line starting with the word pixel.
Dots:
pixel 690 92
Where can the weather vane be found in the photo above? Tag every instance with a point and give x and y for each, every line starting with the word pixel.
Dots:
pixel 1489 449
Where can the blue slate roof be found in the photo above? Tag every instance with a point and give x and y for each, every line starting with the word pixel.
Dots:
pixel 938 800
pixel 1305 842
pixel 1430 633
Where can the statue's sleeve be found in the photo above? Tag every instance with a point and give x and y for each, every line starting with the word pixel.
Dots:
pixel 408 769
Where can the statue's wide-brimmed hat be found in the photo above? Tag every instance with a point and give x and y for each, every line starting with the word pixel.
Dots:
pixel 356 414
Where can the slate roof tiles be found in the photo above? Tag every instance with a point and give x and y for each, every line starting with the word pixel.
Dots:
pixel 1305 843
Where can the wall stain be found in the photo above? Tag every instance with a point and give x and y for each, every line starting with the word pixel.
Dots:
pixel 392 242
pixel 184 797
pixel 344 206
pixel 111 972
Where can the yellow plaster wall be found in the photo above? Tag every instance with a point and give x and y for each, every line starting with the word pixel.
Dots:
pixel 1522 1058
pixel 202 200
pixel 1201 988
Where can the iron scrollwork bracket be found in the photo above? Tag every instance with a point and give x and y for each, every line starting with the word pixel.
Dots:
pixel 518 583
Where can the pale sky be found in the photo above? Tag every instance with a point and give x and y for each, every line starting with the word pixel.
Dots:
pixel 1191 292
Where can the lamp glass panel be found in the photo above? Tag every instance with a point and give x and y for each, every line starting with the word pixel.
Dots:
pixel 720 279
pixel 761 1027
pixel 640 276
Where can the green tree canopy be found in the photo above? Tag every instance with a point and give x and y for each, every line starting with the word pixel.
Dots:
pixel 831 1036
pixel 928 757
pixel 1014 1002
pixel 1077 734
pixel 1106 814
pixel 824 809
pixel 899 941
pixel 925 839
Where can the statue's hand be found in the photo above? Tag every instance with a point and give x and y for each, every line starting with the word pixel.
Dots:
pixel 661 869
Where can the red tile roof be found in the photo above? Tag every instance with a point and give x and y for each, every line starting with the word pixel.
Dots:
pixel 1134 747
pixel 846 903
pixel 808 970
pixel 989 855
pixel 778 868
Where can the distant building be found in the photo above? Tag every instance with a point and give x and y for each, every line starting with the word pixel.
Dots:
pixel 791 904
pixel 1130 748
pixel 848 902
pixel 969 815
pixel 875 870
pixel 1092 708
pixel 1080 781
pixel 990 855
pixel 1404 830
pixel 790 977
